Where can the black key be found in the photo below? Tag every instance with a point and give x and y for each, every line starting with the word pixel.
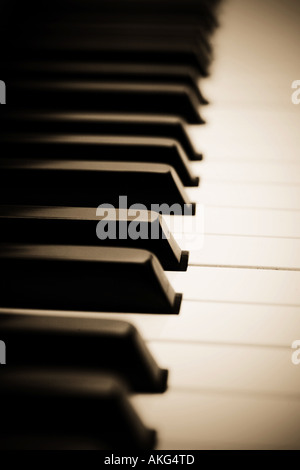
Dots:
pixel 89 184
pixel 84 406
pixel 82 226
pixel 85 279
pixel 201 12
pixel 103 148
pixel 196 22
pixel 107 97
pixel 108 72
pixel 85 343
pixel 49 442
pixel 121 53
pixel 111 42
pixel 97 124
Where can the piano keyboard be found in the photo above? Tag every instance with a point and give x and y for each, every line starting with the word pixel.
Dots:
pixel 212 369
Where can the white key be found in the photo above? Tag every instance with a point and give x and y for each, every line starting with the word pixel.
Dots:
pixel 237 221
pixel 246 195
pixel 224 323
pixel 249 133
pixel 247 172
pixel 221 420
pixel 238 285
pixel 269 253
pixel 252 222
pixel 229 367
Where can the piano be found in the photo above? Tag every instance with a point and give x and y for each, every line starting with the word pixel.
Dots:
pixel 190 341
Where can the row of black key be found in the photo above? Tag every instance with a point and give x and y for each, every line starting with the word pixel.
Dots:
pixel 110 95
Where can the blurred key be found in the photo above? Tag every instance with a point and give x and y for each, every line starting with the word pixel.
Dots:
pixel 108 72
pixel 140 125
pixel 85 343
pixel 72 406
pixel 177 100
